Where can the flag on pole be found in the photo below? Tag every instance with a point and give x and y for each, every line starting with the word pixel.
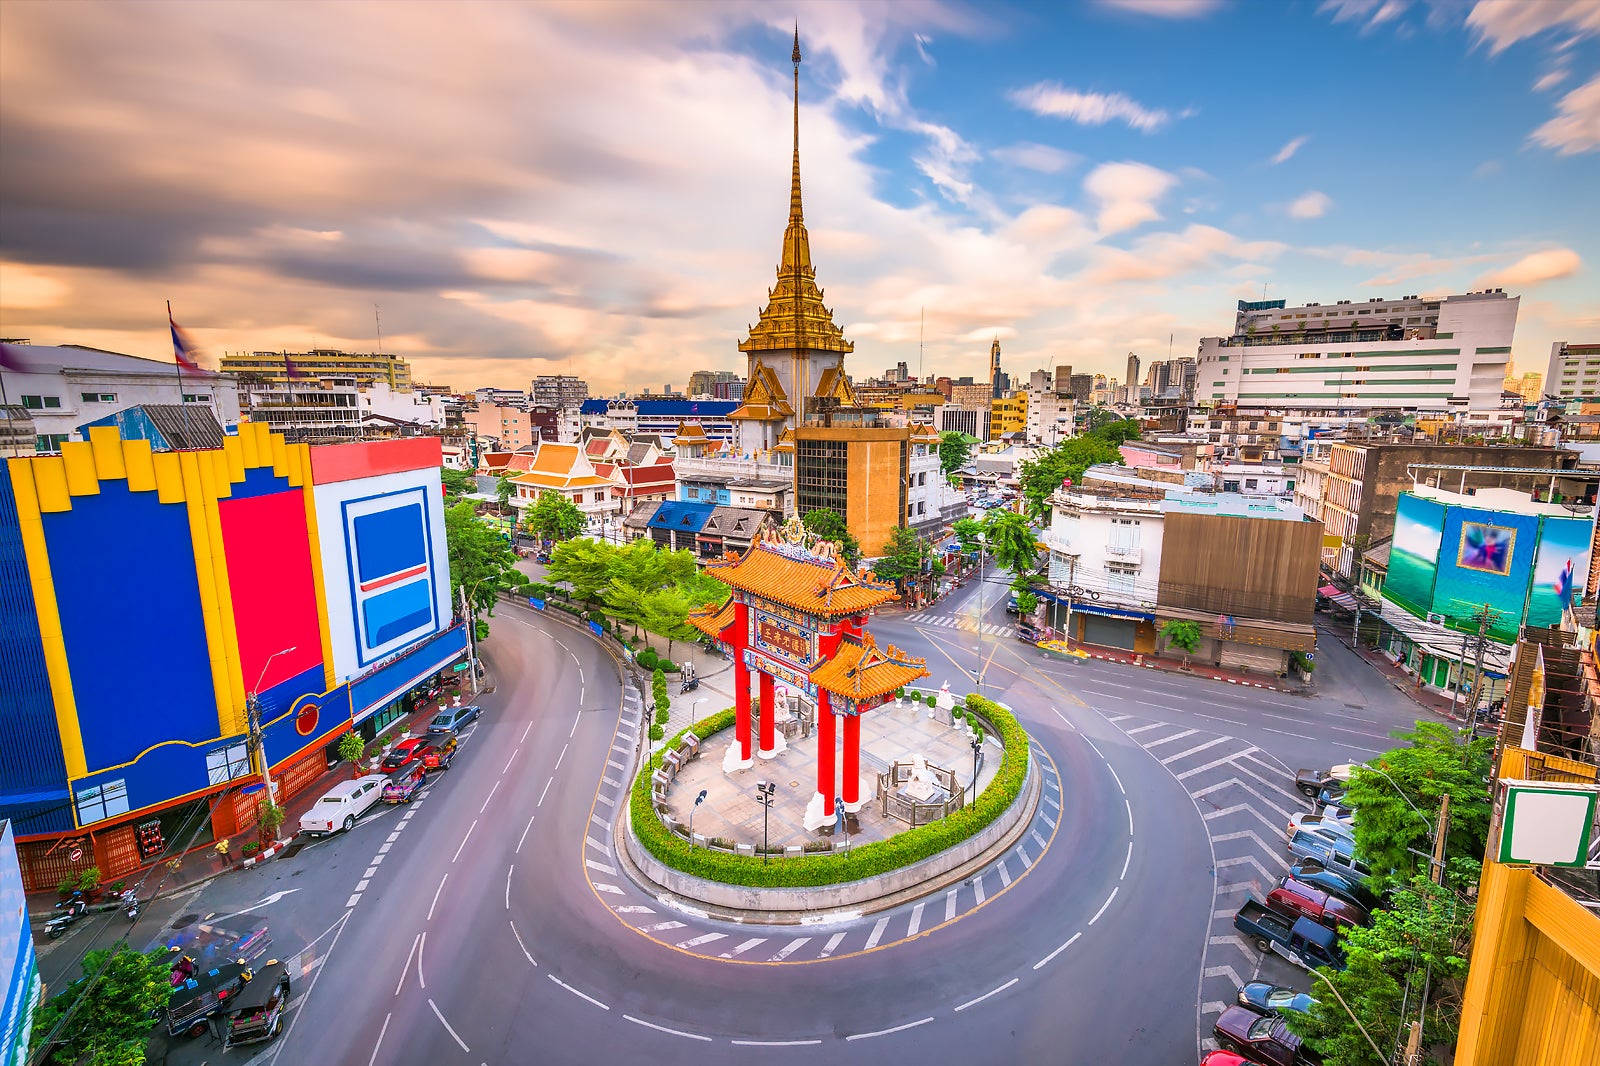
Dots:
pixel 185 352
pixel 290 370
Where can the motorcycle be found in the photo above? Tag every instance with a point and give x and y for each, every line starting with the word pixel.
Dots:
pixel 182 971
pixel 689 685
pixel 71 910
pixel 131 905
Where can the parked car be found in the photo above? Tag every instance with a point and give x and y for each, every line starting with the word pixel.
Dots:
pixel 1319 823
pixel 1297 899
pixel 1263 1038
pixel 343 804
pixel 1311 872
pixel 403 753
pixel 1311 782
pixel 1225 1058
pixel 447 721
pixel 1268 998
pixel 1300 940
pixel 1331 852
pixel 1011 606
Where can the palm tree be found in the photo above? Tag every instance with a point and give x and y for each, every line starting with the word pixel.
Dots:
pixel 1011 540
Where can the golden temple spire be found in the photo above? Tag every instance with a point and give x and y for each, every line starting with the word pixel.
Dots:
pixel 795 213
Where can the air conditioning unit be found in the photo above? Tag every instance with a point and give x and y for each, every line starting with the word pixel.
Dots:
pixel 1436 619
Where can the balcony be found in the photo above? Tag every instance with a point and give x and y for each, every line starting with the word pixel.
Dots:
pixel 1123 553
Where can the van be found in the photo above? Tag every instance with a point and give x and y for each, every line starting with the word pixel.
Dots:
pixel 1335 854
pixel 342 804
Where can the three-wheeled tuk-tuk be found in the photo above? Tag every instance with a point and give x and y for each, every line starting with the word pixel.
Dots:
pixel 256 1012
pixel 202 995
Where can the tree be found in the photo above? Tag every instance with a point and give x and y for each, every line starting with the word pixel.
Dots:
pixel 107 1018
pixel 350 747
pixel 504 490
pixel 830 525
pixel 553 517
pixel 903 555
pixel 664 612
pixel 1027 603
pixel 1182 634
pixel 1432 765
pixel 955 448
pixel 1068 460
pixel 658 688
pixel 480 559
pixel 969 531
pixel 583 564
pixel 457 483
pixel 1011 539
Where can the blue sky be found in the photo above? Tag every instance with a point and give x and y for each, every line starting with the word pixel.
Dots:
pixel 601 188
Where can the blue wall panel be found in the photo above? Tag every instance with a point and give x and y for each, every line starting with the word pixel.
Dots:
pixel 33 776
pixel 130 611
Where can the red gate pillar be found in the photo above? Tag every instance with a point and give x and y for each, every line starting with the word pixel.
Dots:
pixel 741 687
pixel 825 745
pixel 769 717
pixel 852 763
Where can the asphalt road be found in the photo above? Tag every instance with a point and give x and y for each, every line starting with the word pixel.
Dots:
pixel 490 925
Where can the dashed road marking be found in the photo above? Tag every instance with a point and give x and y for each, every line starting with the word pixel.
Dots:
pixel 740 949
pixel 664 1029
pixel 877 933
pixel 916 920
pixel 827 949
pixel 790 948
pixel 986 995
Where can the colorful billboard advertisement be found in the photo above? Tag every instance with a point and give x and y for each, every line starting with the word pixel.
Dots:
pixel 17 961
pixel 1560 569
pixel 1414 554
pixel 1485 559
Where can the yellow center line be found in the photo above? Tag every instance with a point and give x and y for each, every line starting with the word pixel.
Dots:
pixel 937 639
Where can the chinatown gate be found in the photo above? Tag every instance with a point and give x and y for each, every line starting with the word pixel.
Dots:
pixel 798 616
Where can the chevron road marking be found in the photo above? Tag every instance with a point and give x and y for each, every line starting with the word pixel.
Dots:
pixel 1250 860
pixel 789 948
pixel 1235 781
pixel 1212 765
pixel 1169 740
pixel 876 934
pixel 704 938
pixel 833 942
pixel 1170 759
pixel 735 952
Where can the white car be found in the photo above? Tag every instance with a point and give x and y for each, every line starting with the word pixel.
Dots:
pixel 1321 824
pixel 342 805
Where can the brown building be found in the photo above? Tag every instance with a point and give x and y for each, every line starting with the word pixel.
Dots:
pixel 1364 482
pixel 855 470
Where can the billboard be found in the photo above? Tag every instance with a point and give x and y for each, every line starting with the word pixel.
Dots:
pixel 17 961
pixel 1485 558
pixel 1414 554
pixel 1560 569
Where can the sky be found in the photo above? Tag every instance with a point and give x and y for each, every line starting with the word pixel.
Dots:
pixel 600 188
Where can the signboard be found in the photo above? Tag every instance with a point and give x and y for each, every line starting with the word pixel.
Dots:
pixel 536 603
pixel 781 638
pixel 756 661
pixel 1546 824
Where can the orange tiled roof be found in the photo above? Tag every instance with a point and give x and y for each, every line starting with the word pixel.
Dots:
pixel 712 620
pixel 862 671
pixel 795 578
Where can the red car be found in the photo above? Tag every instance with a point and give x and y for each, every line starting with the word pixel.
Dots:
pixel 402 754
pixel 1261 1038
pixel 1225 1058
pixel 1299 900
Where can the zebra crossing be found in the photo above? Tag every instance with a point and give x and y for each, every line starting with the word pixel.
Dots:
pixel 1245 799
pixel 966 625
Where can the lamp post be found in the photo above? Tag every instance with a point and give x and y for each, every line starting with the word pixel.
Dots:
pixel 694 716
pixel 764 794
pixel 252 705
pixel 977 673
pixel 697 801
pixel 1375 1049
pixel 977 752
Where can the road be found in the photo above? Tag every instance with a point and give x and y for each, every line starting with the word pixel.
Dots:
pixel 486 923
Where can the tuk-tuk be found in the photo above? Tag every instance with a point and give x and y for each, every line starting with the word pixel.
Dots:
pixel 403 787
pixel 439 756
pixel 256 1012
pixel 1032 634
pixel 203 995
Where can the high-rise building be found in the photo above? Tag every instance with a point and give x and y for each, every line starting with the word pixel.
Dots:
pixel 1133 370
pixel 1080 385
pixel 321 364
pixel 1410 354
pixel 997 382
pixel 1063 380
pixel 558 390
pixel 1574 372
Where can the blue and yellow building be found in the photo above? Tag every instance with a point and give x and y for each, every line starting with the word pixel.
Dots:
pixel 144 593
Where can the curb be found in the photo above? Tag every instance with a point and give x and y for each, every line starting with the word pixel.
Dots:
pixel 1191 673
pixel 263 855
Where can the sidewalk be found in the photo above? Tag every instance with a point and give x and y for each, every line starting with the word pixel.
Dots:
pixel 1407 683
pixel 1200 670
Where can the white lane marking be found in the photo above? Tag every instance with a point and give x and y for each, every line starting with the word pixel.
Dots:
pixel 1198 747
pixel 379 1044
pixel 1213 764
pixel 508 885
pixel 1052 801
pixel 613 889
pixel 1117 779
pixel 789 948
pixel 877 932
pixel 1050 957
pixel 607 800
pixel 524 835
pixel 1042 842
pixel 664 1029
pixel 1118 717
pixel 1103 906
pixel 575 992
pixel 616 763
pixel 1005 874
pixel 525 952
pixel 1126 861
pixel 525 733
pixel 372 871
pixel 769 1043
pixel 886 1032
pixel 611 781
pixel 542 791
pixel 986 995
pixel 387 844
pixel 950 905
pixel 1048 820
pixel 454 1035
pixel 574 728
pixel 392 837
pixel 406 968
pixel 596 845
pixel 703 938
pixel 1169 740
pixel 361 886
pixel 436 892
pixel 1027 860
pixel 563 755
pixel 422 944
pixel 916 920
pixel 1129 804
pixel 464 837
pixel 977 887
pixel 827 949
pixel 634 910
pixel 602 867
pixel 353 900
pixel 742 948
pixel 1144 728
pixel 660 926
pixel 489 797
pixel 510 761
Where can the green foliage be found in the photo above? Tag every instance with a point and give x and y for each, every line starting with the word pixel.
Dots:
pixel 916 696
pixel 658 689
pixel 480 559
pixel 656 732
pixel 1068 460
pixel 830 525
pixel 969 531
pixel 504 492
pixel 1011 538
pixel 1299 661
pixel 480 629
pixel 1182 634
pixel 1027 602
pixel 955 448
pixel 351 746
pixel 110 1018
pixel 662 715
pixel 1432 765
pixel 647 658
pixel 868 860
pixel 903 556
pixel 583 564
pixel 457 483
pixel 552 517
pixel 270 815
pixel 89 878
pixel 1423 925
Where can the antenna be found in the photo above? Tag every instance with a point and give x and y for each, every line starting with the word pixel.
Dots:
pixel 376 318
pixel 922 323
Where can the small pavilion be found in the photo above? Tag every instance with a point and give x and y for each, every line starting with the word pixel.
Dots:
pixel 798 614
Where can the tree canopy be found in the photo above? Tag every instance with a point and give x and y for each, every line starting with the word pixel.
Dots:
pixel 457 482
pixel 553 517
pixel 830 525
pixel 481 561
pixel 903 557
pixel 969 531
pixel 504 492
pixel 110 1015
pixel 1011 540
pixel 955 448
pixel 1044 474
pixel 641 584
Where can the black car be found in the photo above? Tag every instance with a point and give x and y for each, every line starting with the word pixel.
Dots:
pixel 449 720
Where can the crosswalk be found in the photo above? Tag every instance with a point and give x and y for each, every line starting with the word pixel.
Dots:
pixel 967 625
pixel 1245 799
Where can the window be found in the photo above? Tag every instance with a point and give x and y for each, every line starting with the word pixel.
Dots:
pixel 98 397
pixel 105 800
pixel 922 508
pixel 40 403
pixel 1120 577
pixel 1249 482
pixel 225 764
pixel 50 442
pixel 197 397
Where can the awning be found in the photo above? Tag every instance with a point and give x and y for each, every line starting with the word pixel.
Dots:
pixel 1329 591
pixel 1343 599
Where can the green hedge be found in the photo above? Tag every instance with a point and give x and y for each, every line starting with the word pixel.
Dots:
pixel 868 860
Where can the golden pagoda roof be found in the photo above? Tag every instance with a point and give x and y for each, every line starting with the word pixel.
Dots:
pixel 713 619
pixel 801 578
pixel 860 670
pixel 795 317
pixel 835 385
pixel 764 398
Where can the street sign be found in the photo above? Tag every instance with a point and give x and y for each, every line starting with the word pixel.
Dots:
pixel 1546 824
pixel 535 603
pixel 75 854
pixel 458 667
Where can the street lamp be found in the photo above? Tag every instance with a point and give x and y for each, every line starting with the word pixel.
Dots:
pixel 764 794
pixel 1432 836
pixel 977 752
pixel 697 801
pixel 252 705
pixel 1375 1049
pixel 978 669
pixel 694 715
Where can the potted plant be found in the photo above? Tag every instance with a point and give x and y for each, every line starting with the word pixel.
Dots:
pixel 350 748
pixel 67 886
pixel 250 848
pixel 900 696
pixel 270 816
pixel 89 883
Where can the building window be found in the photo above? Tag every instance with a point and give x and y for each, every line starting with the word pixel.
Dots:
pixel 105 800
pixel 225 764
pixel 98 397
pixel 40 403
pixel 50 442
pixel 197 397
pixel 1120 578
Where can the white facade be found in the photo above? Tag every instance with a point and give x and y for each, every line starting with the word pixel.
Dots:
pixel 931 503
pixel 1049 416
pixel 1574 371
pixel 1253 479
pixel 1408 354
pixel 65 387
pixel 379 399
pixel 1109 546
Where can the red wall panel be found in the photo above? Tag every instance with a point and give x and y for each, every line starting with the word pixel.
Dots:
pixel 274 597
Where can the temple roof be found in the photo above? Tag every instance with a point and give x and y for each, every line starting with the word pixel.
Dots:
pixel 836 386
pixel 862 671
pixel 764 398
pixel 796 577
pixel 795 317
pixel 712 619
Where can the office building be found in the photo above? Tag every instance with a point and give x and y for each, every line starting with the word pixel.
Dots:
pixel 558 390
pixel 320 363
pixel 1008 414
pixel 862 472
pixel 973 421
pixel 1132 377
pixel 704 383
pixel 1574 371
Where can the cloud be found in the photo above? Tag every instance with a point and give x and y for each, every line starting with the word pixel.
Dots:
pixel 1127 194
pixel 1502 23
pixel 1373 13
pixel 1577 128
pixel 1170 9
pixel 1536 267
pixel 1040 157
pixel 1161 256
pixel 1312 205
pixel 1287 151
pixel 1550 80
pixel 1049 99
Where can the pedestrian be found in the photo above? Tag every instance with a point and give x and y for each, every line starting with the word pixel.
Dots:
pixel 222 850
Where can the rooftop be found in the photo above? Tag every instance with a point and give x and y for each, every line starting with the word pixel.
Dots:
pixel 800 578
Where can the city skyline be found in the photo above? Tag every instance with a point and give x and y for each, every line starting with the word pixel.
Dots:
pixel 1007 170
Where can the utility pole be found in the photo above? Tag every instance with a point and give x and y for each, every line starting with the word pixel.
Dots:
pixel 472 640
pixel 1436 872
pixel 1461 676
pixel 252 703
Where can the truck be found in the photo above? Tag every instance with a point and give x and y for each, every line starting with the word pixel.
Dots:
pixel 1300 940
pixel 1312 783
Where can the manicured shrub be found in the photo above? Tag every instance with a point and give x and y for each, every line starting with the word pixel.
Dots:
pixel 648 659
pixel 656 732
